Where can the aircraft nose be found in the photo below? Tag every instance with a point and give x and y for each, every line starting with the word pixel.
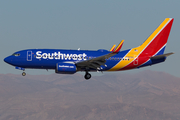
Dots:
pixel 7 60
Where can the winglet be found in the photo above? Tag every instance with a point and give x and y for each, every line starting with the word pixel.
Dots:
pixel 113 48
pixel 118 47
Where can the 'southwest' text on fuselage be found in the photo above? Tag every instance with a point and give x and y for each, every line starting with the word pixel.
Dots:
pixel 58 55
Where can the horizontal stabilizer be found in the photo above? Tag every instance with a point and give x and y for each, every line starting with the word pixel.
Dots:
pixel 119 47
pixel 162 56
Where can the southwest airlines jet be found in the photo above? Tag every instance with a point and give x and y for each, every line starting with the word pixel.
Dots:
pixel 71 61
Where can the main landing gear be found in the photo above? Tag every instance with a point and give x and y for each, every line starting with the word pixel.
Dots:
pixel 87 76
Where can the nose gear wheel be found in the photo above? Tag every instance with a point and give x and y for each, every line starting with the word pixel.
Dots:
pixel 23 74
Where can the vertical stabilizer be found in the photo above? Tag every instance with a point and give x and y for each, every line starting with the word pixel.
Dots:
pixel 156 42
pixel 153 46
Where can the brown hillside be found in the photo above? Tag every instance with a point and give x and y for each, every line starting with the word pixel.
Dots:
pixel 146 95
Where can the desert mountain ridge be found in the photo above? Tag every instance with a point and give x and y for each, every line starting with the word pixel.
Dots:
pixel 145 95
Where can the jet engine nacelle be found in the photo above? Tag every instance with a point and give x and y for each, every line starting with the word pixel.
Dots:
pixel 65 68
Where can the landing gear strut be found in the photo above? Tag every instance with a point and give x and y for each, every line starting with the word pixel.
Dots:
pixel 87 76
pixel 23 74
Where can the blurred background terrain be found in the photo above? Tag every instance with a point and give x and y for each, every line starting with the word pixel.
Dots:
pixel 146 95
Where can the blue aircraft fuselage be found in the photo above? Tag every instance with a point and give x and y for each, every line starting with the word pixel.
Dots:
pixel 48 58
pixel 71 61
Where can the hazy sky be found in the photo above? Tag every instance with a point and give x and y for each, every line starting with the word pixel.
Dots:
pixel 86 24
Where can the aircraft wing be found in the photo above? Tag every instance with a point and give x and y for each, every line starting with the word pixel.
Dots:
pixel 95 63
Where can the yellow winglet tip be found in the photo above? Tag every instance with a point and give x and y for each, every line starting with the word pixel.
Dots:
pixel 119 46
pixel 113 48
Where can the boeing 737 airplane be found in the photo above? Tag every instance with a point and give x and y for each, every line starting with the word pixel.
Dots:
pixel 71 61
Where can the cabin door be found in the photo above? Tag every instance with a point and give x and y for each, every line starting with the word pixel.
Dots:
pixel 29 55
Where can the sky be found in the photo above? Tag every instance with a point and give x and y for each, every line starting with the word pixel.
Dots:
pixel 86 24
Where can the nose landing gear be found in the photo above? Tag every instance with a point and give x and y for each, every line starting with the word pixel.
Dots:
pixel 23 74
pixel 87 76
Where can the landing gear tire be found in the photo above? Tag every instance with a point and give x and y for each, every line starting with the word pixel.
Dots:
pixel 23 74
pixel 87 76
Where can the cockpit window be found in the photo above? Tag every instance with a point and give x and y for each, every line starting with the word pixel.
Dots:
pixel 16 54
